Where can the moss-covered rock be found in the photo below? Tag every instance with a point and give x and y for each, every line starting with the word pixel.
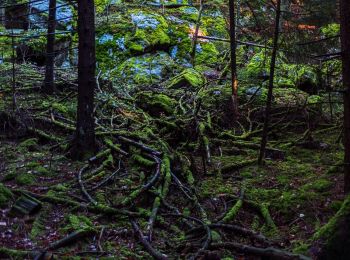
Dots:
pixel 144 70
pixel 189 78
pixel 151 30
pixel 155 103
pixel 5 195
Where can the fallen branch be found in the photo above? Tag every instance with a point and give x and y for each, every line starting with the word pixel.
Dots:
pixel 153 252
pixel 81 184
pixel 269 252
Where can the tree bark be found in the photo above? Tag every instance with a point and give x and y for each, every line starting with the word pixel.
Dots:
pixel 270 91
pixel 84 143
pixel 345 44
pixel 49 85
pixel 233 58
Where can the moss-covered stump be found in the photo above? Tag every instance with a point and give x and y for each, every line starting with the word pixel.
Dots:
pixel 333 238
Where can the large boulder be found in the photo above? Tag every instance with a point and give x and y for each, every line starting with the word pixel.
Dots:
pixel 143 70
pixel 151 32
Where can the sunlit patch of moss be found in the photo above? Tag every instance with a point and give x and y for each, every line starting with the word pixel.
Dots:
pixel 68 109
pixel 187 78
pixel 207 54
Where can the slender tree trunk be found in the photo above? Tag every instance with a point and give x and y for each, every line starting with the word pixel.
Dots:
pixel 84 143
pixel 270 91
pixel 233 58
pixel 195 35
pixel 49 85
pixel 2 16
pixel 345 43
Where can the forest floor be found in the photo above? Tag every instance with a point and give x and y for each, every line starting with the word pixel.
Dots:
pixel 169 179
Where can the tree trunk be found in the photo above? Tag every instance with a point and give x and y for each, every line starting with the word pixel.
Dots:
pixel 49 86
pixel 345 43
pixel 270 91
pixel 233 59
pixel 84 143
pixel 332 241
pixel 2 16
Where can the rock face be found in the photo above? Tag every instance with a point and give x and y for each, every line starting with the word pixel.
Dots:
pixel 135 35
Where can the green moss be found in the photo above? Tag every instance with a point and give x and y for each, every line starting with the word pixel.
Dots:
pixel 189 177
pixel 29 144
pixel 9 176
pixel 151 32
pixel 14 254
pixel 320 185
pixel 207 54
pixel 68 109
pixel 189 78
pixel 213 186
pixel 336 205
pixel 41 170
pixel 32 164
pixel 60 187
pixel 156 103
pixel 301 248
pixel 232 213
pixel 25 179
pixel 142 160
pixel 109 161
pixel 76 223
pixel 167 176
pixel 5 195
pixel 38 226
pixel 144 70
pixel 328 231
pixel 215 237
pixel 136 47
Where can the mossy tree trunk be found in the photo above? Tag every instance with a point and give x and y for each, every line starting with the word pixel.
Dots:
pixel 345 43
pixel 270 91
pixel 333 238
pixel 49 85
pixel 233 59
pixel 84 142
